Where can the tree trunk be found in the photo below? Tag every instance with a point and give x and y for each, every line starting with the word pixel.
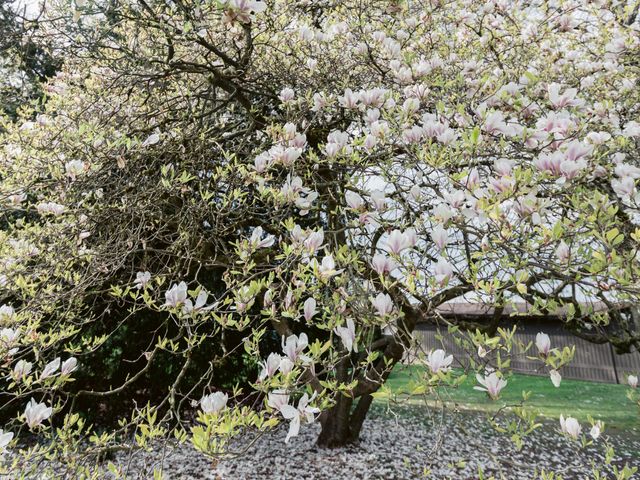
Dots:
pixel 341 425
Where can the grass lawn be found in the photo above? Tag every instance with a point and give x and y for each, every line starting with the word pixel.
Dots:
pixel 576 398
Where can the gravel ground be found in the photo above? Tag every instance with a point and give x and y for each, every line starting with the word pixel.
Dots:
pixel 393 448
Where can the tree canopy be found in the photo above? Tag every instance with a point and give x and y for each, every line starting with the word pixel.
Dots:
pixel 311 179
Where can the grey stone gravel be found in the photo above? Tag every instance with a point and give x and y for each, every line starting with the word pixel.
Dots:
pixel 392 447
pixel 401 447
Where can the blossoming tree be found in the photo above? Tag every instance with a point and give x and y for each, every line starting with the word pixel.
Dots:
pixel 328 173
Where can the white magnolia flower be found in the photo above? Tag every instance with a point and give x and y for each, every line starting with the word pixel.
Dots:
pixel 36 413
pixel 443 271
pixel 543 343
pixel 21 369
pixel 570 426
pixel 285 366
pixel 438 362
pixel 632 380
pixel 314 241
pixel 74 168
pixel 492 384
pixel 482 352
pixel 151 140
pixel 142 279
pixel 270 366
pixel 257 241
pixel 7 313
pixel 631 129
pixel 347 335
pixel 297 415
pixel 378 199
pixel 68 366
pixel 5 438
pixel 278 399
pixel 596 430
pixel 51 207
pixel 201 300
pixel 294 345
pixel 50 368
pixel 327 268
pixel 214 402
pixel 176 295
pixel 286 95
pixel 556 378
pixel 383 304
pixel 9 336
pixel 563 252
pixel 443 212
pixel 309 308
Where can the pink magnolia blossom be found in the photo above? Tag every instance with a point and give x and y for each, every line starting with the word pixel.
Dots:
pixel 443 213
pixel 21 370
pixel 383 304
pixel 347 335
pixel 191 307
pixel 383 264
pixel 293 346
pixel 327 268
pixel 564 99
pixel 398 241
pixel 455 198
pixel 270 366
pixel 354 200
pixel 543 343
pixel 501 185
pixel 503 167
pixel 556 378
pixel 314 241
pixel 278 399
pixel 631 129
pixel 632 381
pixel 625 188
pixel 286 95
pixel 285 366
pixel 598 138
pixel 9 336
pixel 440 236
pixel 241 10
pixel 492 384
pixel 378 199
pixel 309 308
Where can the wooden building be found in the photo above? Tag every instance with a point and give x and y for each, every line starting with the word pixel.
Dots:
pixel 592 361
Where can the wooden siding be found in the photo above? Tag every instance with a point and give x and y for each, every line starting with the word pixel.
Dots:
pixel 591 361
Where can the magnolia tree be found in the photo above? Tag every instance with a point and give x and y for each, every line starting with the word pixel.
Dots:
pixel 325 173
